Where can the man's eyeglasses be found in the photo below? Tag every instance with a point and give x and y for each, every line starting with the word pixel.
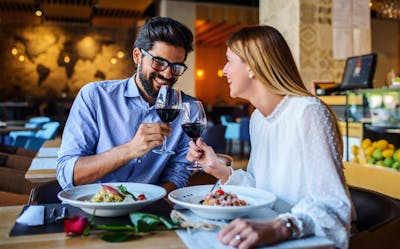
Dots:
pixel 161 64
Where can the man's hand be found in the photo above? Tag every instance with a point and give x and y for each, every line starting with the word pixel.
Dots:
pixel 91 168
pixel 149 136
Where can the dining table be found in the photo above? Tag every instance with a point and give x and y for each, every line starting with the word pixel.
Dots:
pixel 51 235
pixel 43 169
pixel 51 240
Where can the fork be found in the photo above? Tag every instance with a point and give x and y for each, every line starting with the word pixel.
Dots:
pixel 217 183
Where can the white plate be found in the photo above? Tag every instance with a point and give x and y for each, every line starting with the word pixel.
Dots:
pixel 79 197
pixel 190 198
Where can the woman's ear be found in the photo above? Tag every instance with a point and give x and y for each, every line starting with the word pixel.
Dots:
pixel 136 55
pixel 251 74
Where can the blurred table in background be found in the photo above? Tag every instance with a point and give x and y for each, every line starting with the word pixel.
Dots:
pixel 43 166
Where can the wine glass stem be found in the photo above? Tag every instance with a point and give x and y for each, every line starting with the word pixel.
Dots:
pixel 164 144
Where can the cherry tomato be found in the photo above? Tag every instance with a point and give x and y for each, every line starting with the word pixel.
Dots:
pixel 141 197
pixel 220 192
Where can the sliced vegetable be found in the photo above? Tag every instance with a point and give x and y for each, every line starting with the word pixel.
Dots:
pixel 125 191
pixel 141 197
pixel 111 189
pixel 220 192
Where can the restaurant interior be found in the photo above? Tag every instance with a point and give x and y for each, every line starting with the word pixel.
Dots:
pixel 50 49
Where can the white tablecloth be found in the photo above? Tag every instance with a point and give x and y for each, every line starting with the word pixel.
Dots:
pixel 48 152
pixel 43 163
pixel 198 239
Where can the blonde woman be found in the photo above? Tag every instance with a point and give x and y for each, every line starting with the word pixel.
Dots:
pixel 296 146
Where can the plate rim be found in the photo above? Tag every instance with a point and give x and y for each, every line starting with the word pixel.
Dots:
pixel 220 208
pixel 110 205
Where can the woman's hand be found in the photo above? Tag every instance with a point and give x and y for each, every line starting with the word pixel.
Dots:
pixel 243 234
pixel 207 158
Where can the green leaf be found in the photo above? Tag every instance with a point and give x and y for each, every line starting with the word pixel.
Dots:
pixel 170 224
pixel 86 231
pixel 144 222
pixel 125 191
pixel 117 237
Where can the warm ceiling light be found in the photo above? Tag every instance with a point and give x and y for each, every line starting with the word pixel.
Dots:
pixel 220 73
pixel 38 13
pixel 67 59
pixel 113 61
pixel 14 51
pixel 21 58
pixel 200 74
pixel 120 54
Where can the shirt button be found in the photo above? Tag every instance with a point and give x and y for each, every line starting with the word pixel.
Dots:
pixel 139 160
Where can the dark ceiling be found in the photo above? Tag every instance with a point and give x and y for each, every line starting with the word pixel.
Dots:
pixel 117 13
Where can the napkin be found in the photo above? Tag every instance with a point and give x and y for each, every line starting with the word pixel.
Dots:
pixel 32 216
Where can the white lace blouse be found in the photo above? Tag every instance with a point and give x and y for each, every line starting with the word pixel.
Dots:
pixel 294 156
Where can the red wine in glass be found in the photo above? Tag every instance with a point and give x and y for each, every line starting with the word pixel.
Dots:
pixel 168 106
pixel 195 123
pixel 193 130
pixel 167 115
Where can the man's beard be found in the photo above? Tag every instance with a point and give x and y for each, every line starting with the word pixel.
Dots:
pixel 147 83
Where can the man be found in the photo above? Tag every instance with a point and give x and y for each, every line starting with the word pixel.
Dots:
pixel 113 124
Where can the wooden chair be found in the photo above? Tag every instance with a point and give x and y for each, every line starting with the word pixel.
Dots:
pixel 45 193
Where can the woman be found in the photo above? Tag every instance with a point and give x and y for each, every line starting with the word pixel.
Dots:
pixel 296 146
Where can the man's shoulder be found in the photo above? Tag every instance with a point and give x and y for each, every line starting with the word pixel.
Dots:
pixel 187 98
pixel 106 86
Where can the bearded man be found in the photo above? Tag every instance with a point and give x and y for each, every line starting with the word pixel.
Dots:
pixel 113 124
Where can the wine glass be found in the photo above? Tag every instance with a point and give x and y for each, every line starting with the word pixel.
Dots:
pixel 168 105
pixel 194 124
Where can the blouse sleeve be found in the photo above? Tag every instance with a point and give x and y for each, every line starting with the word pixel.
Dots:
pixel 325 210
pixel 240 177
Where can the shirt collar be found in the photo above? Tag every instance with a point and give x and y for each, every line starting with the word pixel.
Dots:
pixel 131 89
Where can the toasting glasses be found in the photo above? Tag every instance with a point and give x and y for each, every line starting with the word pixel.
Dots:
pixel 168 105
pixel 194 124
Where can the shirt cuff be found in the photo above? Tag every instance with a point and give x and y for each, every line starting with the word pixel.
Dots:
pixel 233 179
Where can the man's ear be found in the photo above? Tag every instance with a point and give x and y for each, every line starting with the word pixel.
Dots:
pixel 136 55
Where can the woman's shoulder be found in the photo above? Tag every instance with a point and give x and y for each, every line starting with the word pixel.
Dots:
pixel 305 100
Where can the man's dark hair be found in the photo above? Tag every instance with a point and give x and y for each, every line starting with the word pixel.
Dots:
pixel 166 30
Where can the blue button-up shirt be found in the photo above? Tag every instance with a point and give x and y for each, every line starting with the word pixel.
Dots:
pixel 107 114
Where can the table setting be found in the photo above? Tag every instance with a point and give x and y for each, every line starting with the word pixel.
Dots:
pixel 195 224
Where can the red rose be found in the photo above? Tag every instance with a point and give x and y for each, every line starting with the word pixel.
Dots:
pixel 75 225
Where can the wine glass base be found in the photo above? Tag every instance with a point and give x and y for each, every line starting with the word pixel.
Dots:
pixel 168 152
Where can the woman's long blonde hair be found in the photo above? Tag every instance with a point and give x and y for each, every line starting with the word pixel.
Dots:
pixel 268 55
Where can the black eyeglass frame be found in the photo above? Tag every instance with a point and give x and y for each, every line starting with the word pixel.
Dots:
pixel 164 64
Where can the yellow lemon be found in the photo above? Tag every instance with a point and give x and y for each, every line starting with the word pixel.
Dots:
pixel 382 144
pixel 374 145
pixel 355 160
pixel 354 150
pixel 388 153
pixel 391 146
pixel 365 143
pixel 368 151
